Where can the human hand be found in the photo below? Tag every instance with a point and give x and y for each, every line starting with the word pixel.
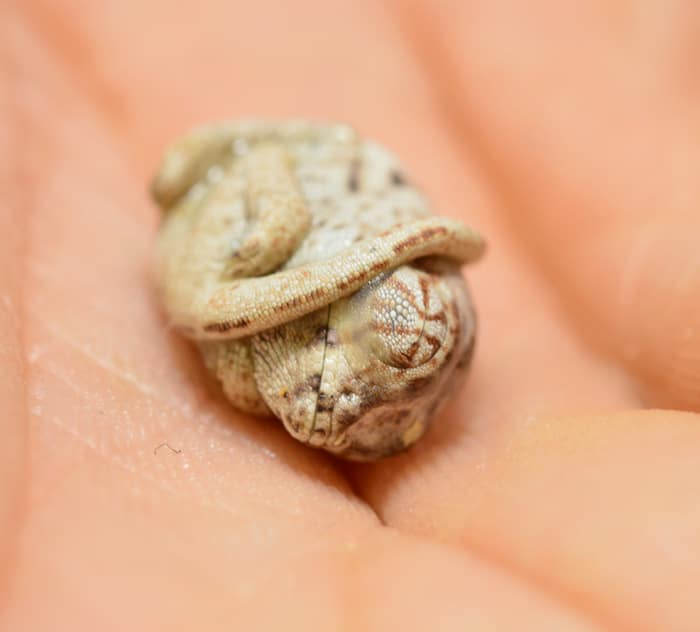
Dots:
pixel 548 496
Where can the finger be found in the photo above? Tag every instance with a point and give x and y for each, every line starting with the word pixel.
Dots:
pixel 595 160
pixel 599 509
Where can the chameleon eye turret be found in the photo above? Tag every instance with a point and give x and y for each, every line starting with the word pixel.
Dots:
pixel 315 280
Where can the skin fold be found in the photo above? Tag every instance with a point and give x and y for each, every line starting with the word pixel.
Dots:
pixel 558 492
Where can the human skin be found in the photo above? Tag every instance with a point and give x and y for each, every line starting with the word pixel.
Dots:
pixel 560 489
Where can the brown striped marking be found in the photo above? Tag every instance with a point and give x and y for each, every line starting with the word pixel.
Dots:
pixel 397 178
pixel 225 326
pixel 354 176
pixel 424 235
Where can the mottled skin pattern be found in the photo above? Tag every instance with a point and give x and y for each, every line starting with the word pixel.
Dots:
pixel 315 280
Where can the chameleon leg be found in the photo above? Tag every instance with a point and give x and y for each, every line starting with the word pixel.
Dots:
pixel 232 363
pixel 189 159
pixel 280 217
pixel 252 219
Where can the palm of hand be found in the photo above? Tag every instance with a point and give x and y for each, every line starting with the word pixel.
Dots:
pixel 530 502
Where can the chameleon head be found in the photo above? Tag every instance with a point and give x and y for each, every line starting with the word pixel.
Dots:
pixel 363 376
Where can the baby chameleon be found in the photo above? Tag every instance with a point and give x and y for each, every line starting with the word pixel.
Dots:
pixel 315 281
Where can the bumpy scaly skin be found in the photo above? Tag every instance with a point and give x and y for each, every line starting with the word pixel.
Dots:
pixel 315 280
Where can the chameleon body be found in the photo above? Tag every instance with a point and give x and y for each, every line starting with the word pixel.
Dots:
pixel 315 280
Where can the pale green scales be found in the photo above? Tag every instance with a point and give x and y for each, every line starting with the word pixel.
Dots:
pixel 315 280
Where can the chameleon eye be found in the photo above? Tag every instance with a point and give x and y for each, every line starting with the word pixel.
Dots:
pixel 404 318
